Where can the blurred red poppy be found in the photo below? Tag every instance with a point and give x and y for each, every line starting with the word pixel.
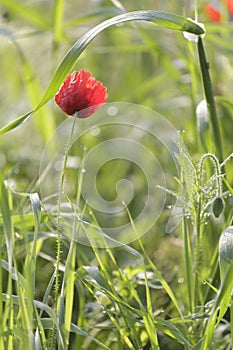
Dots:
pixel 213 11
pixel 82 94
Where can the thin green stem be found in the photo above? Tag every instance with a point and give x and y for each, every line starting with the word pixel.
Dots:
pixel 59 244
pixel 208 89
pixel 197 264
pixel 197 254
pixel 188 264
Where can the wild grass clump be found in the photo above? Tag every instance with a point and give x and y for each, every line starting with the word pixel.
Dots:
pixel 79 270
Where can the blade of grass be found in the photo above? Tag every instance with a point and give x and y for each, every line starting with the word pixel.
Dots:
pixel 33 16
pixel 149 319
pixel 69 279
pixel 5 207
pixel 34 91
pixel 231 319
pixel 75 329
pixel 188 264
pixel 15 123
pixel 222 300
pixel 154 269
pixel 1 305
pixel 164 19
pixel 209 95
pixel 58 22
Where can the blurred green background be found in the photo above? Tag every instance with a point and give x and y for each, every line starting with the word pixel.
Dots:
pixel 139 63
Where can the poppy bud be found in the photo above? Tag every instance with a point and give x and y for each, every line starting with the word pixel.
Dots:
pixel 225 250
pixel 218 206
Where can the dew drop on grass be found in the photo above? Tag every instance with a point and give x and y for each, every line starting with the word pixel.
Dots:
pixel 83 170
pixel 95 131
pixel 112 111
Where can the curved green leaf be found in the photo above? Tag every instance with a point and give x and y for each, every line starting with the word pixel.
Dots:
pixel 16 122
pixel 164 19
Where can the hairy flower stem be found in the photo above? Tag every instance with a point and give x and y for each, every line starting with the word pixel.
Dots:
pixel 207 84
pixel 59 243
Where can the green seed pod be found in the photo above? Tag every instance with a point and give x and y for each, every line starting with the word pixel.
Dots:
pixel 226 271
pixel 225 250
pixel 218 206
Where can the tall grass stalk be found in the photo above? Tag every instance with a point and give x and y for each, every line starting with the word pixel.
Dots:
pixel 209 95
pixel 188 265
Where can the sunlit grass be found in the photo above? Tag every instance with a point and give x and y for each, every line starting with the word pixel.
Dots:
pixel 164 290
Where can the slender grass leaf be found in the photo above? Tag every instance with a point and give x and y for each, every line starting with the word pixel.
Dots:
pixel 48 291
pixel 31 15
pixel 164 19
pixel 93 272
pixel 40 337
pixel 161 279
pixel 171 330
pixel 57 21
pixel 77 330
pixel 34 91
pixel 15 123
pixel 69 280
pixel 14 274
pixel 38 304
pixel 6 216
pixel 148 317
pixel 1 304
pixel 221 304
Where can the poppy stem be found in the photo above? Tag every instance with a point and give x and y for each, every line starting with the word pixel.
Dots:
pixel 59 243
pixel 209 95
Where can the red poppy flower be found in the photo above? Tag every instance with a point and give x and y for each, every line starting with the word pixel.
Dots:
pixel 213 12
pixel 81 93
pixel 230 6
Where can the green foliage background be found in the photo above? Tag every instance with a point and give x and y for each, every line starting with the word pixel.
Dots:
pixel 139 63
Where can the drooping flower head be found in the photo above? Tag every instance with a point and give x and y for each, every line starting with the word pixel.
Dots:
pixel 81 93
